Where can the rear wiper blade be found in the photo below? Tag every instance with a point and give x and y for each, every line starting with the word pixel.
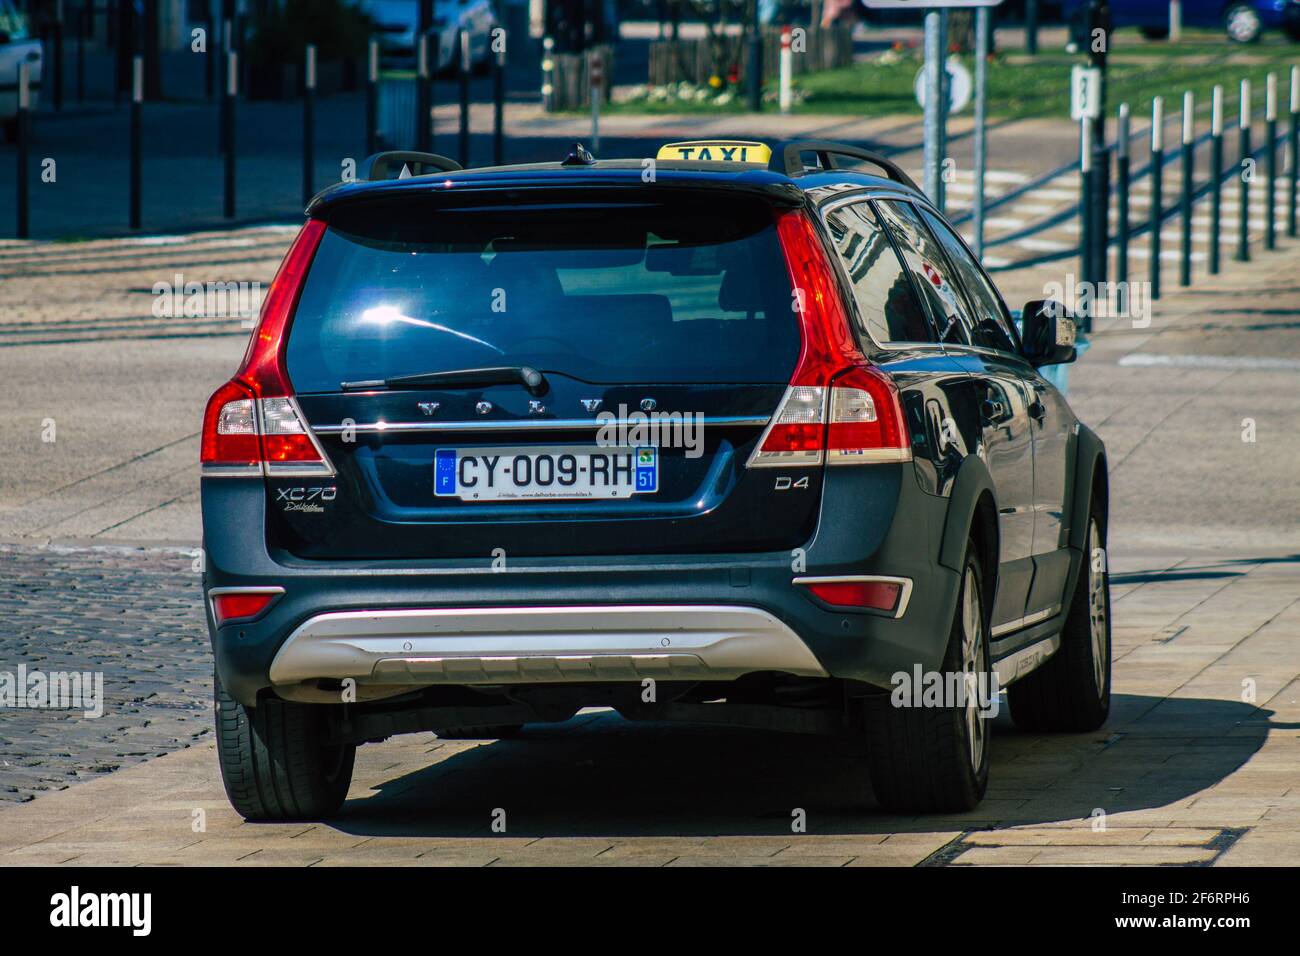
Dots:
pixel 524 375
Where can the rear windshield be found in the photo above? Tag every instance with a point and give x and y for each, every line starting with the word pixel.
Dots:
pixel 605 294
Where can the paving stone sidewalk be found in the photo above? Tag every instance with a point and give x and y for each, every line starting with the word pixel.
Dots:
pixel 1191 769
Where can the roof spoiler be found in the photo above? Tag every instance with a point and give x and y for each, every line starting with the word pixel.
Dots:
pixel 375 168
pixel 790 159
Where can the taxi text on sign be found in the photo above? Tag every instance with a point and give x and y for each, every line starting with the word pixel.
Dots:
pixel 717 151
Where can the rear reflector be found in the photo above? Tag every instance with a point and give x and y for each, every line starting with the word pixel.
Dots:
pixel 838 408
pixel 874 595
pixel 242 604
pixel 252 424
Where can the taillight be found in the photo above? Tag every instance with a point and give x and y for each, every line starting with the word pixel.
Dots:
pixel 252 424
pixel 838 408
pixel 241 604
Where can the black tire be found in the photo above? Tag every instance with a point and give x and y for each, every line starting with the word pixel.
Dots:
pixel 276 761
pixel 1154 33
pixel 482 732
pixel 1242 23
pixel 921 758
pixel 1071 692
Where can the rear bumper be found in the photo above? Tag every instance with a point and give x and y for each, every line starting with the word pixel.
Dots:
pixel 511 645
pixel 587 619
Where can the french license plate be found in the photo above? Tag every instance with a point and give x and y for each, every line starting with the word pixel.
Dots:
pixel 567 471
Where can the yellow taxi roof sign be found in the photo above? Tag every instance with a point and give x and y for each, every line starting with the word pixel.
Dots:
pixel 717 151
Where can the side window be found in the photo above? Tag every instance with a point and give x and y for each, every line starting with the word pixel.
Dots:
pixel 991 328
pixel 929 267
pixel 886 302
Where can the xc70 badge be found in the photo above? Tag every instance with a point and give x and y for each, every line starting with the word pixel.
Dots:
pixel 305 499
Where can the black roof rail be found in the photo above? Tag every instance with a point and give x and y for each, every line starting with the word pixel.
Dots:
pixel 790 159
pixel 376 167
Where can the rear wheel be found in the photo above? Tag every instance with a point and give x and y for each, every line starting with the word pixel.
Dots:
pixel 1243 23
pixel 1072 690
pixel 276 759
pixel 936 759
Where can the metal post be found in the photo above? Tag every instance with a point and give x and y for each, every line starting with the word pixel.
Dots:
pixel 1123 168
pixel 1100 210
pixel 308 123
pixel 228 114
pixel 85 23
pixel 934 68
pixel 210 57
pixel 137 138
pixel 24 137
pixel 1087 267
pixel 372 97
pixel 1189 138
pixel 1157 181
pixel 499 104
pixel 1175 20
pixel 462 152
pixel 1216 178
pixel 787 69
pixel 1270 163
pixel 941 197
pixel 223 63
pixel 1031 27
pixel 753 64
pixel 1243 224
pixel 595 71
pixel 1293 153
pixel 57 65
pixel 423 108
pixel 981 110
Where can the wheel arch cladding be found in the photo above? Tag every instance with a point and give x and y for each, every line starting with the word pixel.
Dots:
pixel 972 509
pixel 1090 475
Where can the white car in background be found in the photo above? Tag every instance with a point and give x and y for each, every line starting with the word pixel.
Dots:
pixel 396 22
pixel 16 46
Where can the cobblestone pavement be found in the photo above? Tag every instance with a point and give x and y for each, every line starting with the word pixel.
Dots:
pixel 133 615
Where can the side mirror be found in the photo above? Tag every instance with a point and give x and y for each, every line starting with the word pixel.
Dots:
pixel 1048 333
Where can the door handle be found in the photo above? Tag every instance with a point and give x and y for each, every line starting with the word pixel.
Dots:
pixel 1037 411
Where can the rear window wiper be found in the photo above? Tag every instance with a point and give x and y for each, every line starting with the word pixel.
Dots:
pixel 525 375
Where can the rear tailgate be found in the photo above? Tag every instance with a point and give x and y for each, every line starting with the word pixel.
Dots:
pixel 664 332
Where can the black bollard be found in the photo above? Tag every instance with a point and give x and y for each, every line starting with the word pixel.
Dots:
pixel 1185 203
pixel 137 138
pixel 1270 163
pixel 1216 179
pixel 1243 223
pixel 228 126
pixel 463 72
pixel 23 121
pixel 499 102
pixel 308 122
pixel 1123 169
pixel 1157 192
pixel 372 98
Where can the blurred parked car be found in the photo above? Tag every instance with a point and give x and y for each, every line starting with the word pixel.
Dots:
pixel 16 46
pixel 1244 20
pixel 396 22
